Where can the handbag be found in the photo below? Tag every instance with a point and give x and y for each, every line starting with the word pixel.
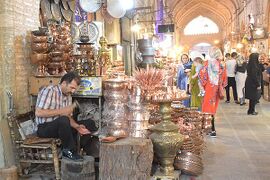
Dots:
pixel 221 92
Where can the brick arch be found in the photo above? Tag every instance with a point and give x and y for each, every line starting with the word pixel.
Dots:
pixel 183 19
pixel 190 41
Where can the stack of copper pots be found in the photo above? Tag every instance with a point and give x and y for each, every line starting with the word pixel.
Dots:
pixel 138 117
pixel 40 48
pixel 115 109
pixel 191 126
pixel 61 49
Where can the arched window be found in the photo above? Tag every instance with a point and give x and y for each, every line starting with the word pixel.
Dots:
pixel 201 25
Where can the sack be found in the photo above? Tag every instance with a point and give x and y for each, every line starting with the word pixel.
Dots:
pixel 221 92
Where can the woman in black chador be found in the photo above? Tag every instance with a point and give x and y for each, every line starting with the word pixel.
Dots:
pixel 253 82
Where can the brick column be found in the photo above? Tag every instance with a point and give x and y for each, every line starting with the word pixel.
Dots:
pixel 18 18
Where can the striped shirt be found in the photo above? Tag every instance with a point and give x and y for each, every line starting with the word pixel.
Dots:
pixel 51 97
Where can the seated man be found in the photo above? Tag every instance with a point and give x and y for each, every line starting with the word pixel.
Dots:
pixel 54 116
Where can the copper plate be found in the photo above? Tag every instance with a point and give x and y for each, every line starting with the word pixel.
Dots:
pixel 55 8
pixel 46 9
pixel 65 5
pixel 67 14
pixel 71 5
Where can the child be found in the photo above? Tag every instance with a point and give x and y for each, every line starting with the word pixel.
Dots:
pixel 198 63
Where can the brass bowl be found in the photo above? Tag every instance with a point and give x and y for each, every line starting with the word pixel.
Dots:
pixel 40 47
pixel 37 58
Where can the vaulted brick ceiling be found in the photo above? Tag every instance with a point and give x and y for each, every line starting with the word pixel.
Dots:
pixel 220 11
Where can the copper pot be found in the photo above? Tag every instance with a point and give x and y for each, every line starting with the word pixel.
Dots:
pixel 37 58
pixel 40 47
pixel 115 84
pixel 39 39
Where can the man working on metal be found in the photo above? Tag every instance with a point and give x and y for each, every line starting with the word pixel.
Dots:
pixel 54 116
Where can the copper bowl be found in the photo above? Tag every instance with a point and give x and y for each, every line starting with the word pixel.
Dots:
pixel 39 39
pixel 56 53
pixel 63 48
pixel 38 33
pixel 54 65
pixel 37 58
pixel 40 47
pixel 66 57
pixel 56 59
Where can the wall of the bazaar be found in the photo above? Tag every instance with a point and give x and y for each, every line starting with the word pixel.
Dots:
pixel 18 18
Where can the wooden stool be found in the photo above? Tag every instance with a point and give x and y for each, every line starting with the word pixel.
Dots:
pixel 78 170
pixel 129 158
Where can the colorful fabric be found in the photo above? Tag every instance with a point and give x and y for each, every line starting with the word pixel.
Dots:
pixel 211 98
pixel 51 97
pixel 213 70
pixel 196 101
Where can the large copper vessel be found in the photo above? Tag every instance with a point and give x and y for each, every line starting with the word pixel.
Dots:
pixel 115 108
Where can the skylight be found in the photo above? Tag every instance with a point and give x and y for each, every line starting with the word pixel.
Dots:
pixel 201 25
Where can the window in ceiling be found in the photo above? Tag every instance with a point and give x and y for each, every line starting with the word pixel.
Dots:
pixel 201 25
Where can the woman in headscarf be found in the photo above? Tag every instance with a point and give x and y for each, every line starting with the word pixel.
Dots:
pixel 213 78
pixel 253 82
pixel 194 88
pixel 240 78
pixel 183 74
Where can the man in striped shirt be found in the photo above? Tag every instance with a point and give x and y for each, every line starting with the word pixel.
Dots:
pixel 54 115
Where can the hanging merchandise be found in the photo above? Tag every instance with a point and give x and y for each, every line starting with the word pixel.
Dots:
pixel 90 30
pixel 115 9
pixel 90 6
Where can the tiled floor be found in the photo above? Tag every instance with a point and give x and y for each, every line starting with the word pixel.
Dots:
pixel 241 150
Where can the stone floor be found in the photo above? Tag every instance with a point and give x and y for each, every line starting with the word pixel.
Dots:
pixel 241 150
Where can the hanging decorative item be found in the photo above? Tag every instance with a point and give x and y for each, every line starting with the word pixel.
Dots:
pixel 115 9
pixel 90 6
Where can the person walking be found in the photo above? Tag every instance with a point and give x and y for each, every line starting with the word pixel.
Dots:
pixel 230 67
pixel 195 89
pixel 240 78
pixel 213 77
pixel 253 83
pixel 183 76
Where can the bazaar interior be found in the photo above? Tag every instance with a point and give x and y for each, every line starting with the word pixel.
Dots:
pixel 135 89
